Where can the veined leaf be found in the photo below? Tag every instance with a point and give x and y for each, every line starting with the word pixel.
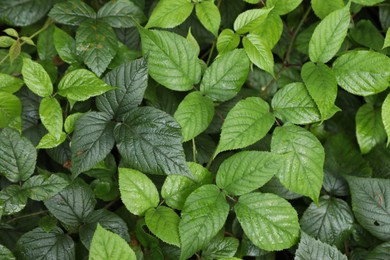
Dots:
pixel 302 170
pixel 170 13
pixel 386 117
pixel 221 247
pixel 329 35
pixel 9 83
pixel 370 130
pixel 208 14
pixel 247 171
pixel 204 214
pixel 5 253
pixel 72 12
pixel 227 41
pixel 282 7
pixel 149 140
pixel 246 123
pixel 50 113
pixel 194 114
pixel 108 245
pixel 259 52
pixel 370 205
pixel 17 156
pixel 51 141
pixel 249 20
pixel 81 84
pixel 41 187
pixel 12 199
pixel 10 108
pixel 225 77
pixel 323 8
pixel 138 192
pixel 65 45
pixel 172 61
pixel 36 78
pixel 120 13
pixel 269 221
pixel 380 252
pixel 294 104
pixel 271 29
pixel 70 122
pixel 362 73
pixel 365 33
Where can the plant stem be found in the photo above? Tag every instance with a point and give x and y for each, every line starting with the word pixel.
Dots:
pixel 194 152
pixel 28 215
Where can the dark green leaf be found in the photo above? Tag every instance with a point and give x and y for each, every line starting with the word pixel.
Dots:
pixel 72 12
pixel 366 34
pixel 45 45
pixel 65 46
pixel 221 248
pixel 120 13
pixel 40 187
pixel 380 252
pixel 5 253
pixel 12 199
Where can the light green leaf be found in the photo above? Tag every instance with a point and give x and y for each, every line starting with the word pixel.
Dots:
pixel 329 35
pixel 92 140
pixel 225 77
pixel 387 39
pixel 321 84
pixel 271 29
pixel 10 108
pixel 120 13
pixel 246 123
pixel 172 60
pixel 194 114
pixel 9 83
pixel 51 141
pixel 81 84
pixel 367 2
pixel 73 204
pixel 6 41
pixel 294 104
pixel 362 73
pixel 370 204
pixel 252 1
pixel 247 171
pixel 250 20
pixel 227 41
pixel 258 51
pixel 52 245
pixel 138 192
pixel 192 40
pixel 312 249
pixel 50 113
pixel 170 13
pixel 72 12
pixel 157 135
pixel 108 245
pixel 70 122
pixel 386 117
pixel 204 214
pixel 164 223
pixel 5 253
pixel 302 170
pixel 40 187
pixel 65 45
pixel 330 221
pixel 36 78
pixel 208 14
pixel 12 199
pixel 370 130
pixel 270 222
pixel 322 8
pixel 17 156
pixel 282 7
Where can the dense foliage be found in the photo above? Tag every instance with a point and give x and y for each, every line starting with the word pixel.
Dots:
pixel 176 129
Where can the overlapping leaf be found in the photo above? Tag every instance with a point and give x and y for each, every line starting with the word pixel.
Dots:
pixel 120 13
pixel 282 7
pixel 40 187
pixel 259 52
pixel 227 41
pixel 36 78
pixel 249 20
pixel 72 12
pixel 164 223
pixel 208 14
pixel 10 108
pixel 170 13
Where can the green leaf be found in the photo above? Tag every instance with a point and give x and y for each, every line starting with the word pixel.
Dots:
pixel 108 245
pixel 204 214
pixel 12 199
pixel 380 252
pixel 170 13
pixel 10 108
pixel 247 171
pixel 294 104
pixel 329 35
pixel 271 29
pixel 52 245
pixel 172 60
pixel 225 77
pixel 14 51
pixel 40 187
pixel 65 46
pixel 249 20
pixel 10 84
pixel 387 39
pixel 11 32
pixel 6 41
pixel 17 156
pixel 97 44
pixel 321 84
pixel 221 248
pixel 270 222
pixel 131 80
pixel 51 141
pixel 282 7
pixel 259 52
pixel 164 223
pixel 227 41
pixel 176 188
pixel 370 197
pixel 70 122
pixel 386 117
pixel 194 114
pixel 72 12
pixel 246 123
pixel 208 14
pixel 330 221
pixel 81 84
pixel 311 249
pixel 157 135
pixel 138 192
pixel 302 170
pixel 323 8
pixel 45 45
pixel 367 2
pixel 365 33
pixel 73 204
pixel 36 78
pixel 5 253
pixel 92 140
pixel 370 130
pixel 120 13
pixel 50 113
pixel 362 73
